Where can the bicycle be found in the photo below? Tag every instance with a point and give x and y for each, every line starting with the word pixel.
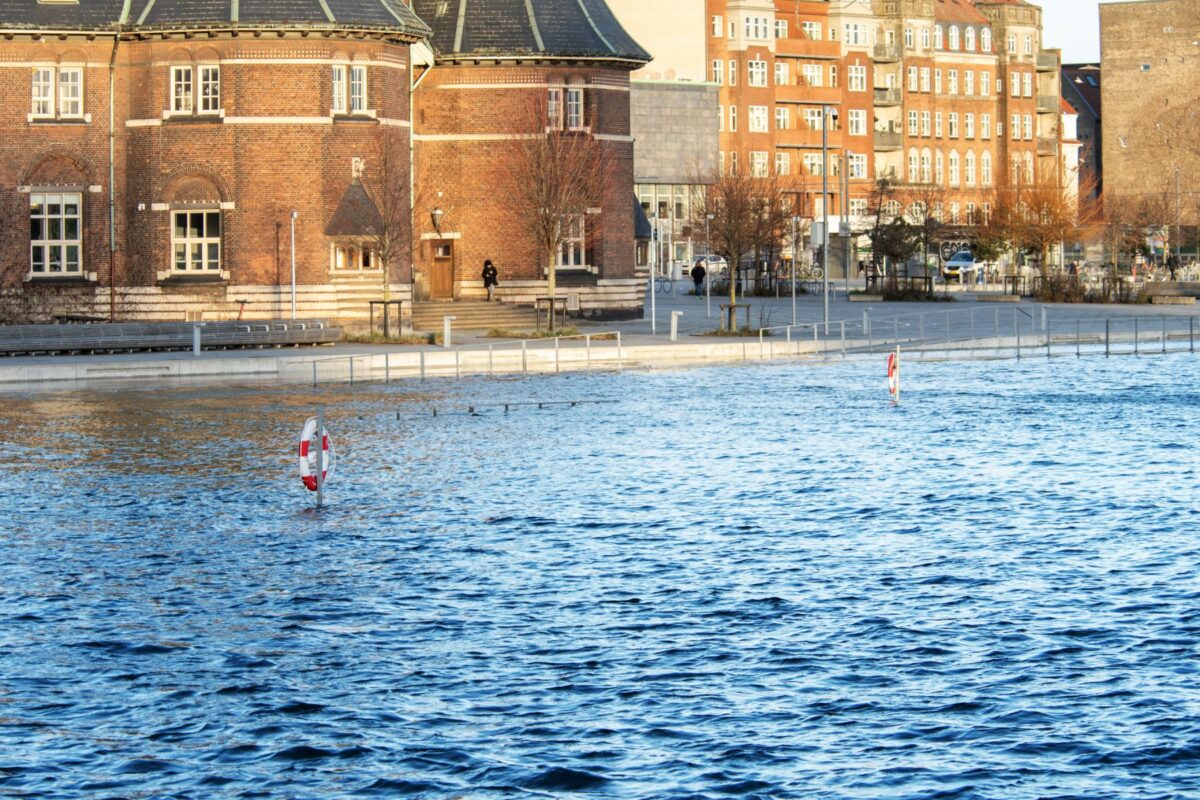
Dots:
pixel 664 285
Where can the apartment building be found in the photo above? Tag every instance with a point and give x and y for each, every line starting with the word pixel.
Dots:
pixel 958 95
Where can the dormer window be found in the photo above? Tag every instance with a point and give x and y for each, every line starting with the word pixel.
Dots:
pixel 953 37
pixel 969 40
pixel 937 37
pixel 985 40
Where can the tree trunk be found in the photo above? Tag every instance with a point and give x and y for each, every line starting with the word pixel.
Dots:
pixel 551 284
pixel 733 271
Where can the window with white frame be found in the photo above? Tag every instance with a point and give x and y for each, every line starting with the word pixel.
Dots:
pixel 812 164
pixel 939 168
pixel 833 76
pixel 858 165
pixel 857 122
pixel 783 164
pixel 926 166
pixel 575 118
pixel 986 213
pixel 926 130
pixel 733 119
pixel 969 168
pixel 968 126
pixel 954 176
pixel 856 78
pixel 857 33
pixel 554 109
pixel 732 29
pixel 813 119
pixel 937 81
pixel 209 78
pixel 924 79
pixel 925 38
pixel 758 163
pixel 985 126
pixel 1012 44
pixel 182 99
pixel 1014 84
pixel 358 89
pixel 755 27
pixel 1027 84
pixel 952 81
pixel 55 233
pixel 718 26
pixel 952 125
pixel 937 37
pixel 1016 126
pixel 908 38
pixel 57 92
pixel 985 168
pixel 718 71
pixel 572 249
pixel 813 74
pixel 937 124
pixel 721 118
pixel 758 119
pixel 781 73
pixel 781 29
pixel 985 83
pixel 985 40
pixel 914 167
pixel 1029 167
pixel 756 73
pixel 913 122
pixel 732 72
pixel 968 83
pixel 1027 124
pixel 970 219
pixel 339 90
pixel 1028 45
pixel 912 79
pixel 733 162
pixel 196 240
pixel 969 40
pixel 953 37
pixel 783 118
pixel 953 213
pixel 858 206
pixel 812 30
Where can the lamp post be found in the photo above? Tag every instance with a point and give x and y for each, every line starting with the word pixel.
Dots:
pixel 795 252
pixel 707 264
pixel 653 269
pixel 828 113
pixel 294 215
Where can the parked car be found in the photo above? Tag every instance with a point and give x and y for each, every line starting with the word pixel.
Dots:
pixel 713 264
pixel 961 266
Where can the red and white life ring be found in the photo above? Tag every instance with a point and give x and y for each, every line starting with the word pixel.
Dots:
pixel 308 456
pixel 893 374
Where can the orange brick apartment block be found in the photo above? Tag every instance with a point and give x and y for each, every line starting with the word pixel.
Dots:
pixel 954 94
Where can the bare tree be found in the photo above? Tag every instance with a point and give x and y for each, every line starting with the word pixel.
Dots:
pixel 1049 214
pixel 390 228
pixel 555 175
pixel 925 209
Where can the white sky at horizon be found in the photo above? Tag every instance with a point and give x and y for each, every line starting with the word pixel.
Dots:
pixel 1074 26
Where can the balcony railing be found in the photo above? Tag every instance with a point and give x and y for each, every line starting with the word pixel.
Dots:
pixel 887 52
pixel 889 140
pixel 1048 104
pixel 890 96
pixel 1047 61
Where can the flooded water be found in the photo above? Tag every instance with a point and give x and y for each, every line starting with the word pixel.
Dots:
pixel 741 582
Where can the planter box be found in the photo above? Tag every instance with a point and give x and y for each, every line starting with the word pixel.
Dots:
pixel 865 298
pixel 997 297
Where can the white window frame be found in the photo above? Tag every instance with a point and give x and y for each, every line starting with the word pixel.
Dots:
pixel 969 168
pixel 183 89
pixel 952 81
pixel 758 120
pixel 937 125
pixel 40 203
pixel 969 83
pixel 985 40
pixel 926 128
pixel 732 72
pixel 339 252
pixel 756 72
pixel 576 117
pixel 925 38
pixel 985 169
pixel 208 91
pixel 337 100
pixel 357 91
pixel 759 163
pixel 925 79
pixel 969 39
pixel 857 122
pixel 968 126
pixel 783 118
pixel 70 93
pixel 554 108
pixel 953 168
pixel 1027 84
pixel 781 73
pixel 856 78
pixel 781 29
pixel 814 74
pixel 812 30
pixel 952 125
pixel 42 86
pixel 858 166
pixel 733 119
pixel 909 40
pixel 1027 125
pixel 718 26
pixel 718 71
pixel 189 243
pixel 1014 84
pixel 985 126
pixel 783 163
pixel 985 84
pixel 572 249
pixel 953 37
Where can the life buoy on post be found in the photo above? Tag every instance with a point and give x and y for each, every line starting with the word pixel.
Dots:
pixel 308 456
pixel 893 375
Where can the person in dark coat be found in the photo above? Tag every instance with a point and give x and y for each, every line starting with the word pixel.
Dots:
pixel 490 279
pixel 698 273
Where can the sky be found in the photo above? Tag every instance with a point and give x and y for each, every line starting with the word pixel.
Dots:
pixel 1073 25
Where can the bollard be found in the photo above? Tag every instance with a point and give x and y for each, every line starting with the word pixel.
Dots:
pixel 351 370
pixel 457 368
pixel 556 362
pixel 422 354
pixel 314 373
pixel 196 341
pixel 587 341
pixel 620 357
pixel 491 362
pixel 524 359
pixel 446 324
pixel 866 324
pixel 387 371
pixel 675 315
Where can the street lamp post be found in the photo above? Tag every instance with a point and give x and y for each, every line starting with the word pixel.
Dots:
pixel 707 265
pixel 653 269
pixel 827 113
pixel 795 252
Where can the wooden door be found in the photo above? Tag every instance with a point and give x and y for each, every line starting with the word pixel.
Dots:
pixel 441 282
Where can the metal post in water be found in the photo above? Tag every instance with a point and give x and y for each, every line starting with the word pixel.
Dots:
pixel 866 323
pixel 1136 351
pixel 1017 331
pixel 587 341
pixel 1043 319
pixel 1191 334
pixel 620 357
pixel 556 368
pixel 1077 337
pixel 1047 332
pixel 1106 337
pixel 320 456
pixel 1164 345
pixel 843 338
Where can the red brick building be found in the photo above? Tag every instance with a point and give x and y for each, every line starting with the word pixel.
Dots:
pixel 158 154
pixel 494 62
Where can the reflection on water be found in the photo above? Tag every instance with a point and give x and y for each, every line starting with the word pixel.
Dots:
pixel 761 582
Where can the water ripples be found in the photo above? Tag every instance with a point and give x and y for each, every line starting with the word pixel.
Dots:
pixel 751 582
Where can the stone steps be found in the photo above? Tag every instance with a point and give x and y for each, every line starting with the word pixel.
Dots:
pixel 471 316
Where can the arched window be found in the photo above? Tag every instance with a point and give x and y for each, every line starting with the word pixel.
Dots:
pixel 926 166
pixel 985 169
pixel 969 168
pixel 985 40
pixel 914 174
pixel 937 37
pixel 954 168
pixel 953 37
pixel 1029 167
pixel 969 40
pixel 939 169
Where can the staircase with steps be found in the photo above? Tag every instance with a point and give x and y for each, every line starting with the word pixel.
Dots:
pixel 473 316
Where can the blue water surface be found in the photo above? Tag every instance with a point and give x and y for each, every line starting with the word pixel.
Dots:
pixel 758 582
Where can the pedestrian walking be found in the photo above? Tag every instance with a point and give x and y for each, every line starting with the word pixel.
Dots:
pixel 490 279
pixel 698 274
